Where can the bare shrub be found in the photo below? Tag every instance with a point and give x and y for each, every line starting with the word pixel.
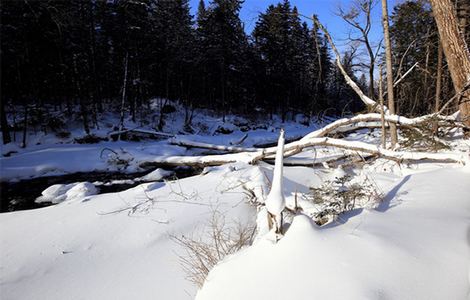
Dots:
pixel 121 159
pixel 204 250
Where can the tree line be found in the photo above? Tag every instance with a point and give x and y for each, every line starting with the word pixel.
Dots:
pixel 97 55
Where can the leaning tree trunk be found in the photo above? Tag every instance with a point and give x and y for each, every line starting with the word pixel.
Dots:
pixel 456 52
pixel 388 59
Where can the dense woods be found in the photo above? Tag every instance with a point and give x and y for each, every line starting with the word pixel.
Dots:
pixel 87 54
pixel 79 56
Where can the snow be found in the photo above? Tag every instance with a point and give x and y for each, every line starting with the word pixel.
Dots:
pixel 118 245
pixel 275 202
pixel 48 155
pixel 157 174
pixel 413 246
pixel 67 192
pixel 60 159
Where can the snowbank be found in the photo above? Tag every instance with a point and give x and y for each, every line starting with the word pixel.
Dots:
pixel 413 246
pixel 67 192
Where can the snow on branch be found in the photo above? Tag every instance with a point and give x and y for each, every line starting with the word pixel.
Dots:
pixel 297 147
pixel 374 117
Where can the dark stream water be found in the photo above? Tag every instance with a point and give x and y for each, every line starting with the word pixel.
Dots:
pixel 21 195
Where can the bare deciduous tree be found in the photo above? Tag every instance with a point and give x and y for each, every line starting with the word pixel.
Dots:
pixel 362 9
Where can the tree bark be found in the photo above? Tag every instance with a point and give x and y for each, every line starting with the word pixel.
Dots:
pixel 456 52
pixel 388 58
pixel 4 124
pixel 83 108
pixel 25 124
pixel 382 113
pixel 123 98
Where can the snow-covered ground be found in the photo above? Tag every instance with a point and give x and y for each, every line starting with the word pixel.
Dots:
pixel 412 245
pixel 415 245
pixel 114 246
pixel 48 155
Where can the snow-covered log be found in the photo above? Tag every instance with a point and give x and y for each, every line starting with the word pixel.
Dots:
pixel 193 144
pixel 203 160
pixel 374 117
pixel 370 120
pixel 296 147
pixel 142 132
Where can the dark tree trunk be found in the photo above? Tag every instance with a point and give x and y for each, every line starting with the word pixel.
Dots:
pixel 4 124
pixel 83 108
pixel 25 124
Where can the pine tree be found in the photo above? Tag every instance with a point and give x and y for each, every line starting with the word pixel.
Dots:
pixel 224 45
pixel 295 61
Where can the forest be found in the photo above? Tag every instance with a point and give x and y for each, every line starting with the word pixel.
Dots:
pixel 82 57
pixel 235 149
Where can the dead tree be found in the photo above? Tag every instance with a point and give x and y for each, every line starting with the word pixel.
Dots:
pixel 359 8
pixel 456 52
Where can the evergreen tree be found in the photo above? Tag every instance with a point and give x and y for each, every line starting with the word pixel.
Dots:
pixel 295 61
pixel 224 46
pixel 415 40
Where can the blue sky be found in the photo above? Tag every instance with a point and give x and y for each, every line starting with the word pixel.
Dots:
pixel 325 9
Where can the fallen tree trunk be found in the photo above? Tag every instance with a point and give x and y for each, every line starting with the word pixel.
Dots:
pixel 399 156
pixel 203 161
pixel 193 144
pixel 142 132
pixel 374 117
pixel 296 147
pixel 341 125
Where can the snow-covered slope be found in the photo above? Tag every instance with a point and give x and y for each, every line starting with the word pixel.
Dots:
pixel 115 246
pixel 49 156
pixel 415 245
